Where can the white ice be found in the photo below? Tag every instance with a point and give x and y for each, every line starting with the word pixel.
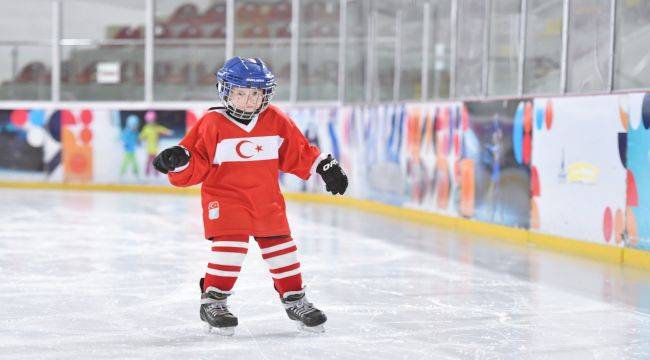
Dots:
pixel 98 275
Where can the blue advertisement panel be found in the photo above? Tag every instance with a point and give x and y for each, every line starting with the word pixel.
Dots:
pixel 638 165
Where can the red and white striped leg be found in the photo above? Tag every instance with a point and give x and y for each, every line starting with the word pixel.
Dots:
pixel 280 254
pixel 227 256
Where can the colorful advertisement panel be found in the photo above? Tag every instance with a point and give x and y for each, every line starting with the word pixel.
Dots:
pixel 579 176
pixel 130 141
pixel 432 157
pixel 575 167
pixel 30 144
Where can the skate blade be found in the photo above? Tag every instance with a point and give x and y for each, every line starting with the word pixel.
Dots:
pixel 224 331
pixel 318 329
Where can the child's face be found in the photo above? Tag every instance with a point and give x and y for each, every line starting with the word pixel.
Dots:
pixel 246 99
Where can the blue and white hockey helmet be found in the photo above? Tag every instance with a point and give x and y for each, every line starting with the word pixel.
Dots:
pixel 245 73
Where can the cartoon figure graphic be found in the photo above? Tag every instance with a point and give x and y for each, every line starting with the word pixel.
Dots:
pixel 495 153
pixel 129 138
pixel 150 135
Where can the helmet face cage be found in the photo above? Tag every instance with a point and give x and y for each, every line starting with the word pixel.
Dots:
pixel 225 89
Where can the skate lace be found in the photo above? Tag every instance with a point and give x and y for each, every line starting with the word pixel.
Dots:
pixel 217 309
pixel 303 307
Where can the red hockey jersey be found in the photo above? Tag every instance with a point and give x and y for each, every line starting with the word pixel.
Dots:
pixel 239 167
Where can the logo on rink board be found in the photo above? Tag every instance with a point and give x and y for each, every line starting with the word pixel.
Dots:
pixel 213 210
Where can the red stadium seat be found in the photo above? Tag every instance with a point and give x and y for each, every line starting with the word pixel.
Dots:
pixel 162 71
pixel 184 14
pixel 256 31
pixel 191 32
pixel 33 72
pixel 126 71
pixel 87 75
pixel 215 14
pixel 280 12
pixel 249 13
pixel 128 32
pixel 131 72
pixel 181 76
pixel 205 74
pixel 66 71
pixel 162 31
pixel 283 31
pixel 219 32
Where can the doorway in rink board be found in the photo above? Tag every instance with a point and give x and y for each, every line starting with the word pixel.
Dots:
pixel 498 143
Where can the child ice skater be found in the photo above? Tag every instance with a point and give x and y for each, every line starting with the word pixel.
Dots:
pixel 236 152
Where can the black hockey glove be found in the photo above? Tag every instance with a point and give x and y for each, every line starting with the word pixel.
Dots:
pixel 335 179
pixel 170 159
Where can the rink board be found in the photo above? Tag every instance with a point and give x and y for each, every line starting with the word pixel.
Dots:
pixel 564 173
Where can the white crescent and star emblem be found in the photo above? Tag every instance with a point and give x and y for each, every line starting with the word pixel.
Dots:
pixel 238 149
pixel 247 149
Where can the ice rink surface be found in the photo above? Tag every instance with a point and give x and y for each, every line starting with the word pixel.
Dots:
pixel 92 275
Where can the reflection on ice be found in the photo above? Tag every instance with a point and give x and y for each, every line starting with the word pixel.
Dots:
pixel 112 275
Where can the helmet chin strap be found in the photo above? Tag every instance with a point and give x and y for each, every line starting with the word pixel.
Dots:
pixel 249 116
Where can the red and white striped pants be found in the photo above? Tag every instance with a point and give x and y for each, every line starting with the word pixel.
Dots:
pixel 228 253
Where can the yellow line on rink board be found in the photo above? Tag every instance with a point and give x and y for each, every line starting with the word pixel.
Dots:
pixel 613 254
pixel 636 258
pixel 156 189
pixel 493 230
pixel 592 250
pixel 627 256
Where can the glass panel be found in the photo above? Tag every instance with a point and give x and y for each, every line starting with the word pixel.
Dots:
pixel 318 50
pixel 356 50
pixel 25 51
pixel 190 45
pixel 505 17
pixel 589 35
pixel 102 72
pixel 632 49
pixel 263 29
pixel 543 47
pixel 469 53
pixel 102 52
pixel 98 19
pixel 385 41
pixel 411 55
pixel 25 20
pixel 25 72
pixel 439 49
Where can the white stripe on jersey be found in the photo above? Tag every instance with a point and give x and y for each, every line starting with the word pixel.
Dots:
pixel 254 148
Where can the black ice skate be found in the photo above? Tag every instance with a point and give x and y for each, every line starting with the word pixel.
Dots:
pixel 299 309
pixel 214 312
